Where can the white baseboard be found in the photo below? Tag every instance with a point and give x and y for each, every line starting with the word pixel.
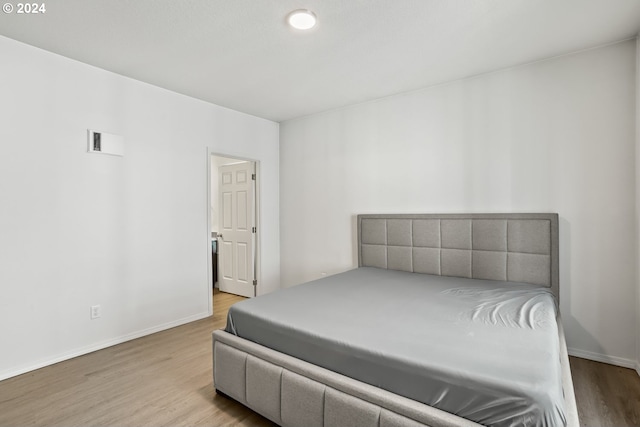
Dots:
pixel 612 360
pixel 99 346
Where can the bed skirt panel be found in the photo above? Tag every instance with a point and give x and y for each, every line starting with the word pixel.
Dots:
pixel 294 393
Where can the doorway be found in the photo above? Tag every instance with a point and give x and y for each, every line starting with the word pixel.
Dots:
pixel 233 206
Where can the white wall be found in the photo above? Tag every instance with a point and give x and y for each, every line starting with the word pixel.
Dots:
pixel 556 135
pixel 638 203
pixel 128 233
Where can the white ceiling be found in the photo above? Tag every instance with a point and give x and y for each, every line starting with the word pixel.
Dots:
pixel 241 55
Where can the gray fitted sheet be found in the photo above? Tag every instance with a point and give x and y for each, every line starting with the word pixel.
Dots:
pixel 484 350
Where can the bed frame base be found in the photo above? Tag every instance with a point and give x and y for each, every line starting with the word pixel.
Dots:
pixel 292 392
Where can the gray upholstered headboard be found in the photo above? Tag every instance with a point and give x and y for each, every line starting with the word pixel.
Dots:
pixel 508 247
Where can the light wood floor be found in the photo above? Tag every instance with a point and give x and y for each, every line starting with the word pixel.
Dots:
pixel 165 379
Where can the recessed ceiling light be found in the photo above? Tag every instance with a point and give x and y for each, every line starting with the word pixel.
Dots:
pixel 302 19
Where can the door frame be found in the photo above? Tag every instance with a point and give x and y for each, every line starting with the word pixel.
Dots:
pixel 257 213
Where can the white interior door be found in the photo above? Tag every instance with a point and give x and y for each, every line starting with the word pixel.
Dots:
pixel 236 216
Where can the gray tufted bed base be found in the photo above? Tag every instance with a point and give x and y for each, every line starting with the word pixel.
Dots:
pixel 292 392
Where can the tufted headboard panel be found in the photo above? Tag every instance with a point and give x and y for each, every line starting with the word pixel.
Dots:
pixel 507 247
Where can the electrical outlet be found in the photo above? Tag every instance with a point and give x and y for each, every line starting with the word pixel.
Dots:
pixel 96 311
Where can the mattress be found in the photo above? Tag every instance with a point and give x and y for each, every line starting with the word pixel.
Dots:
pixel 484 350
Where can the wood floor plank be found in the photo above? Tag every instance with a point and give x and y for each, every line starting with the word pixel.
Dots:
pixel 165 379
pixel 606 395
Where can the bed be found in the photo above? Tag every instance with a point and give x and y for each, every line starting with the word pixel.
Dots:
pixel 449 320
